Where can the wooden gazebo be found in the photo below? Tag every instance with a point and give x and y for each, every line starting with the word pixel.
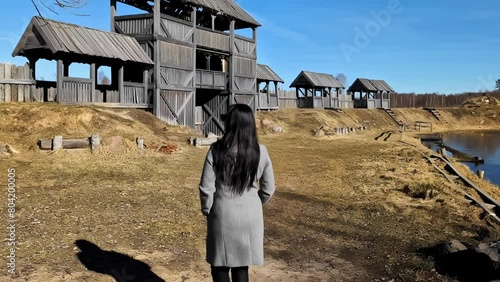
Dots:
pixel 317 90
pixel 267 99
pixel 69 43
pixel 370 93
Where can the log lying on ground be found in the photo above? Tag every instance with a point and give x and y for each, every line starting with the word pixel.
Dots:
pixel 58 142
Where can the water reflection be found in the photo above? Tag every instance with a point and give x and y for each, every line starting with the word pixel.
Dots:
pixel 483 144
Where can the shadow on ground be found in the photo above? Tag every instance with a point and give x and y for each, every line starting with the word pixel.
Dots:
pixel 465 266
pixel 120 266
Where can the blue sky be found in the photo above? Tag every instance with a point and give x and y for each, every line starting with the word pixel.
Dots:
pixel 444 46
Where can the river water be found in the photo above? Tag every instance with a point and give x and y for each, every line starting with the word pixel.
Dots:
pixel 483 144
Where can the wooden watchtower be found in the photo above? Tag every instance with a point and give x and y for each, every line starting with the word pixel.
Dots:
pixel 200 65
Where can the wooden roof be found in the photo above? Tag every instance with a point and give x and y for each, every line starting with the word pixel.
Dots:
pixel 265 73
pixel 225 7
pixel 370 85
pixel 228 7
pixel 55 38
pixel 314 79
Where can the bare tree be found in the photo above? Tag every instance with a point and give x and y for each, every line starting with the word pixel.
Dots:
pixel 70 5
pixel 103 79
pixel 342 79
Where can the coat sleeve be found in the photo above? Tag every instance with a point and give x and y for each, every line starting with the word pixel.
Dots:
pixel 207 184
pixel 266 181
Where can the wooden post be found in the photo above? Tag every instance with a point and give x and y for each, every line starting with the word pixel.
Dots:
pixel 32 76
pixel 231 64
pixel 66 68
pixel 480 174
pixel 93 79
pixel 145 82
pixel 2 86
pixel 194 16
pixel 20 88
pixel 268 93
pixel 59 82
pixel 121 91
pixel 277 94
pixel 156 52
pixel 95 142
pixel 112 6
pixel 57 143
pixel 140 143
pixel 207 61
pixel 213 21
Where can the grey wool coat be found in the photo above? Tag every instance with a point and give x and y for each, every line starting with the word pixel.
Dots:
pixel 235 223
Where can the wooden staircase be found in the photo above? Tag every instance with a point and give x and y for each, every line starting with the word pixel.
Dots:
pixel 393 116
pixel 435 113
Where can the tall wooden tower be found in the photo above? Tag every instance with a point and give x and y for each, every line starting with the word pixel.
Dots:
pixel 200 65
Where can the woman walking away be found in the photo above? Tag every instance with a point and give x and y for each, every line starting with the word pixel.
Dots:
pixel 237 181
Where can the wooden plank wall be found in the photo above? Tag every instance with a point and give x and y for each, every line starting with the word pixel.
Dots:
pixel 177 107
pixel 245 65
pixel 15 83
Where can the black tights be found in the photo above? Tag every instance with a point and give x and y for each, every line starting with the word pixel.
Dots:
pixel 238 274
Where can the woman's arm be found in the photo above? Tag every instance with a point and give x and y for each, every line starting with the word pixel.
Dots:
pixel 207 184
pixel 266 181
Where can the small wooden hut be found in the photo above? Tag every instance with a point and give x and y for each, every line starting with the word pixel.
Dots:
pixel 68 43
pixel 370 93
pixel 267 98
pixel 317 90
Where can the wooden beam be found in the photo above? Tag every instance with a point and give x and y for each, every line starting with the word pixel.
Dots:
pixel 277 94
pixel 194 16
pixel 156 52
pixel 17 81
pixel 59 81
pixel 145 82
pixel 231 64
pixel 121 90
pixel 93 81
pixel 112 5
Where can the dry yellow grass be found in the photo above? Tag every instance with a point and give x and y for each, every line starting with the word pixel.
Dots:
pixel 347 208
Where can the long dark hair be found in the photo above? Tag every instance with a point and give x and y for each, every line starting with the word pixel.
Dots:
pixel 236 155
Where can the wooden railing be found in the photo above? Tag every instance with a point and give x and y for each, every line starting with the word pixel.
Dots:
pixel 212 39
pixel 76 90
pixel 134 24
pixel 134 93
pixel 244 45
pixel 211 79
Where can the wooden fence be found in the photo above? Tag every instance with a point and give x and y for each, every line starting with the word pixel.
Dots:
pixel 17 86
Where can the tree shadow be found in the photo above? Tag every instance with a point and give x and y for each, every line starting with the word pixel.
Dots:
pixel 120 266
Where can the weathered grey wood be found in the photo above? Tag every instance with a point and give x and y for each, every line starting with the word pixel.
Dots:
pixel 145 82
pixel 57 143
pixel 198 142
pixel 2 86
pixel 112 12
pixel 156 59
pixel 13 88
pixel 140 143
pixel 480 174
pixel 93 80
pixel 121 89
pixel 95 142
pixel 20 88
pixel 232 62
pixel 7 75
pixel 59 81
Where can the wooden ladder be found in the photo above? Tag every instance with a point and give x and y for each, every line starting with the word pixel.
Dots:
pixel 393 116
pixel 435 113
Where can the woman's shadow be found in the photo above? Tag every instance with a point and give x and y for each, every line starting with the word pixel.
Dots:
pixel 120 266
